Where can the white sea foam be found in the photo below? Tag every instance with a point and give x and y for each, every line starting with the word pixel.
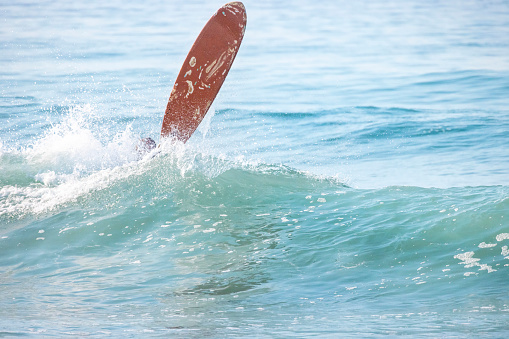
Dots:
pixel 70 160
pixel 502 236
pixel 77 146
pixel 75 158
pixel 42 198
pixel 469 261
pixel 485 245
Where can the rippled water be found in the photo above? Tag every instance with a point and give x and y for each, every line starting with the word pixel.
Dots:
pixel 351 178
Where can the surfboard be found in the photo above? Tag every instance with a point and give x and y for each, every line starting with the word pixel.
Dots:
pixel 204 71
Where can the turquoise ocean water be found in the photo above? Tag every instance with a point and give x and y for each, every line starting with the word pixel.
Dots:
pixel 351 179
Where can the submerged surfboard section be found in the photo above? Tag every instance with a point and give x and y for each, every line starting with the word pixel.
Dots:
pixel 204 71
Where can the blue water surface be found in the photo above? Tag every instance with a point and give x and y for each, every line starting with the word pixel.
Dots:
pixel 351 178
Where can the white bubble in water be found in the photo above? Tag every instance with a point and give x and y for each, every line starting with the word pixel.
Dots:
pixel 485 245
pixel 502 236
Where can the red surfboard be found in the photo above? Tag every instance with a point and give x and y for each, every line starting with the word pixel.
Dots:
pixel 204 71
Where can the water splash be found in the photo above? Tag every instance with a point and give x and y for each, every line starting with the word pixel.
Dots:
pixel 78 145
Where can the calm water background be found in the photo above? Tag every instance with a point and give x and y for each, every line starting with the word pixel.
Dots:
pixel 351 178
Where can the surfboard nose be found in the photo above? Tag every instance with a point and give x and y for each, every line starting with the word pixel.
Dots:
pixel 233 15
pixel 236 4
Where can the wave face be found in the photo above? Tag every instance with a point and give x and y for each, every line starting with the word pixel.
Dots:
pixel 351 178
pixel 182 235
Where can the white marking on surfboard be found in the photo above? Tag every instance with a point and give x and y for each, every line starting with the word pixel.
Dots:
pixel 190 89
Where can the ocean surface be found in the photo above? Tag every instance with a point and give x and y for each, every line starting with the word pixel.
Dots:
pixel 350 180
